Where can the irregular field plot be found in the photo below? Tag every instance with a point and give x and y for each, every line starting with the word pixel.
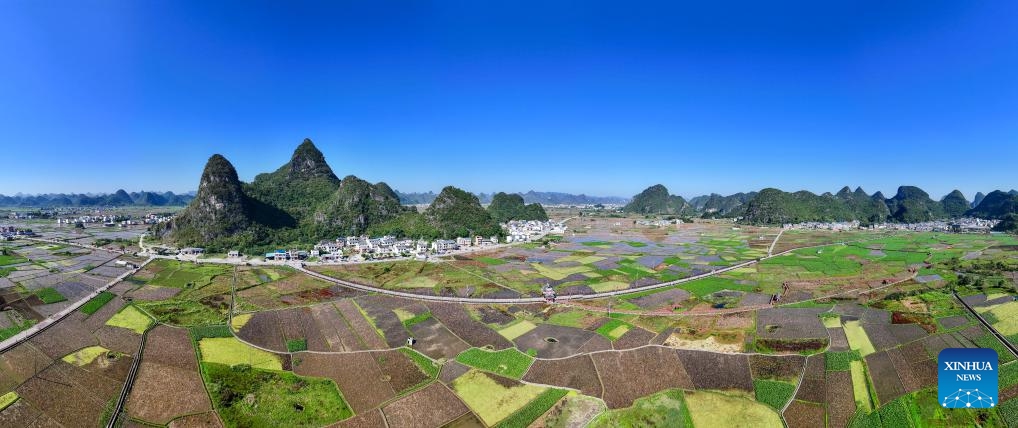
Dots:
pixel 711 409
pixel 508 362
pixel 251 397
pixel 492 397
pixel 230 351
pixel 130 318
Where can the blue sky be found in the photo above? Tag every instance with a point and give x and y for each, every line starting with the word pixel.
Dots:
pixel 602 98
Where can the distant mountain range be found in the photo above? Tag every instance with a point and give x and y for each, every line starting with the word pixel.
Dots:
pixel 530 197
pixel 773 206
pixel 120 198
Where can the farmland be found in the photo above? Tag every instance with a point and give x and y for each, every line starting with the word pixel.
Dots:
pixel 852 340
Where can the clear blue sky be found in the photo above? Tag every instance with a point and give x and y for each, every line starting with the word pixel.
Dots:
pixel 567 96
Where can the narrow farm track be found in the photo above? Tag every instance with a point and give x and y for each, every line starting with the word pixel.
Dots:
pixel 128 383
pixel 770 250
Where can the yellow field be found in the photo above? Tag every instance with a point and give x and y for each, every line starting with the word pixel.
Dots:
pixel 230 351
pixel 559 273
pixel 238 321
pixel 859 389
pixel 8 399
pixel 85 356
pixel 489 400
pixel 711 409
pixel 517 330
pixel 131 318
pixel 1006 315
pixel 857 338
pixel 601 287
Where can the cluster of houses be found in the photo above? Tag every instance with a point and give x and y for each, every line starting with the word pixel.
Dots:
pixel 110 220
pixel 659 223
pixel 530 230
pixel 820 225
pixel 356 248
pixel 21 216
pixel 961 225
pixel 10 233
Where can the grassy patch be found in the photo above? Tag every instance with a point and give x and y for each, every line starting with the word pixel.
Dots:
pixel 490 400
pixel 490 261
pixel 568 319
pixel 533 410
pixel 15 328
pixel 50 295
pixel 773 393
pixel 245 396
pixel 85 356
pixel 507 362
pixel 11 259
pixel 712 409
pixel 703 287
pixel 184 312
pixel 427 365
pixel 231 352
pixel 1008 375
pixel 613 329
pixel 517 329
pixel 131 318
pixel 601 287
pixel 185 275
pixel 857 338
pixel 210 331
pixel 664 409
pixel 90 307
pixel 859 388
pixel 417 319
pixel 297 345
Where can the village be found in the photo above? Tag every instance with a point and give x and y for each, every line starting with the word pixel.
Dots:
pixel 354 249
pixel 960 225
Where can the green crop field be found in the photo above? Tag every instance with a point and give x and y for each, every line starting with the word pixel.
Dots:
pixel 427 365
pixel 508 362
pixel 90 307
pixel 50 295
pixel 773 393
pixel 613 329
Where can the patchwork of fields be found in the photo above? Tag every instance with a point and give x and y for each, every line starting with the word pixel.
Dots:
pixel 851 340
